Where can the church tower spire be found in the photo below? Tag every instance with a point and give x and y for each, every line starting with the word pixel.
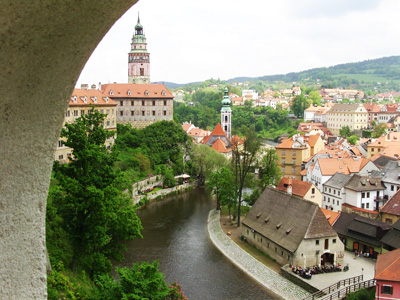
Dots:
pixel 139 57
pixel 226 115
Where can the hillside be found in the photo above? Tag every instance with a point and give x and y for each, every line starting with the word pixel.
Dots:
pixel 381 74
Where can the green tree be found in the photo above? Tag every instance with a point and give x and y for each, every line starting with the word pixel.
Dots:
pixel 315 97
pixel 345 132
pixel 379 130
pixel 169 178
pixel 96 216
pixel 299 104
pixel 270 172
pixel 221 185
pixel 243 157
pixel 353 139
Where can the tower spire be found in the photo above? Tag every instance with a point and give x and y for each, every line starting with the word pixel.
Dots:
pixel 226 114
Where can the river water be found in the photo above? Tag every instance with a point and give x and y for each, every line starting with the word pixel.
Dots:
pixel 175 233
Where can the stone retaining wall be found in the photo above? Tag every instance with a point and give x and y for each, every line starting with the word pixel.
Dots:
pixel 162 193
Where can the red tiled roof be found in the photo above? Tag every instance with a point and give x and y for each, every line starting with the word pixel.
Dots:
pixel 392 206
pixel 330 215
pixel 361 209
pixel 329 166
pixel 132 90
pixel 186 126
pixel 220 146
pixel 312 140
pixel 93 97
pixel 387 266
pixel 218 130
pixel 299 188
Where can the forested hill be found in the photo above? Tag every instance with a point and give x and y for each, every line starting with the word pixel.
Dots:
pixel 364 75
pixel 385 67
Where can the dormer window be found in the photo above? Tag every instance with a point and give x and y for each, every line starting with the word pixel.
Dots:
pixel 129 92
pixel 146 93
pixel 163 93
pixel 84 99
pixel 74 99
pixel 94 99
pixel 111 92
pixel 105 99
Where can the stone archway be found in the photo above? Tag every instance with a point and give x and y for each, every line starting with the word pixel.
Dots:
pixel 43 47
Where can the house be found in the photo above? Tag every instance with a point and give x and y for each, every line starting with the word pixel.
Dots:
pixel 361 233
pixel 364 192
pixel 391 240
pixel 303 189
pixel 391 177
pixel 387 275
pixel 316 113
pixel 390 211
pixel 237 101
pixel 219 141
pixel 80 104
pixel 355 116
pixel 373 109
pixel 333 192
pixel 293 151
pixel 140 104
pixel 387 112
pixel 383 143
pixel 291 230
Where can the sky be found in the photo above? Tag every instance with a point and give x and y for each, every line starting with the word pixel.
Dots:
pixel 193 41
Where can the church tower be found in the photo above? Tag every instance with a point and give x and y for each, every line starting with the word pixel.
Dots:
pixel 139 57
pixel 226 115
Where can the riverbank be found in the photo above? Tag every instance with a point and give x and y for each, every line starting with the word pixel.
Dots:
pixel 268 278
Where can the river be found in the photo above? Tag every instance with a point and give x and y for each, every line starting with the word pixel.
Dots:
pixel 175 233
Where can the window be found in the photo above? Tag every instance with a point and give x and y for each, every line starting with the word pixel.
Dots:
pixel 363 205
pixel 329 190
pixel 141 71
pixel 154 112
pixel 276 249
pixel 283 160
pixel 143 112
pixel 60 143
pixel 283 152
pixel 392 187
pixel 247 232
pixel 82 112
pixel 294 153
pixel 132 103
pixel 132 112
pixel 154 103
pixel 294 161
pixel 165 112
pixel 108 123
pixel 338 193
pixel 317 252
pixel 329 200
pixel 326 244
pixel 293 170
pixel 316 242
pixel 283 170
pixel 67 113
pixel 387 290
pixel 334 192
pixel 362 195
pixel 334 241
pixel 367 205
pixel 60 156
pixel 313 191
pixel 367 194
pixel 121 113
pixel 282 253
pixel 165 103
pixel 142 102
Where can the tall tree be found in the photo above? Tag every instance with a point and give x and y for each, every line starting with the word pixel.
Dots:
pixel 299 104
pixel 379 129
pixel 345 132
pixel 243 156
pixel 221 184
pixel 270 172
pixel 97 217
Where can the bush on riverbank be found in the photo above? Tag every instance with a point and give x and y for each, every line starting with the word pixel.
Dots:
pixel 364 294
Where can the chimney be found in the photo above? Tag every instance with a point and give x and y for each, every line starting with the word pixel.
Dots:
pixel 93 86
pixel 84 86
pixel 289 188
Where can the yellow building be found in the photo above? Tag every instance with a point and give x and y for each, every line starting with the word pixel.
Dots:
pixel 387 144
pixel 80 104
pixel 293 151
pixel 355 116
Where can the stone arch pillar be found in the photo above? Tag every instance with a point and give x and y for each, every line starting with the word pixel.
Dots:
pixel 43 47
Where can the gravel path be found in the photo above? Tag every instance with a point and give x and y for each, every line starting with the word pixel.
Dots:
pixel 271 280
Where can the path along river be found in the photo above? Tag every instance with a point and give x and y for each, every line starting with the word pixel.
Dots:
pixel 175 233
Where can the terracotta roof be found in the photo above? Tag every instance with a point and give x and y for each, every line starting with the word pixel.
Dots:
pixel 330 215
pixel 197 132
pixel 186 126
pixel 386 140
pixel 220 146
pixel 392 206
pixel 330 166
pixel 132 90
pixel 299 188
pixel 83 97
pixel 218 130
pixel 355 208
pixel 387 266
pixel 303 172
pixel 312 140
pixel 372 107
pixel 285 144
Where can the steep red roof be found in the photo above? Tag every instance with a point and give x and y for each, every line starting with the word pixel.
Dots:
pixel 392 206
pixel 218 130
pixel 220 146
pixel 186 126
pixel 330 215
pixel 312 140
pixel 83 97
pixel 388 265
pixel 132 90
pixel 299 188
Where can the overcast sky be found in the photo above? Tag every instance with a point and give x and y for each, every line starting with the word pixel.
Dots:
pixel 197 40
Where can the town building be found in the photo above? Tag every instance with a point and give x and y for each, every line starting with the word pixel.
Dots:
pixel 390 211
pixel 355 116
pixel 359 233
pixel 291 230
pixel 383 143
pixel 139 57
pixel 387 276
pixel 333 192
pixel 316 113
pixel 391 240
pixel 80 103
pixel 302 189
pixel 373 109
pixel 387 112
pixel 219 141
pixel 140 104
pixel 294 151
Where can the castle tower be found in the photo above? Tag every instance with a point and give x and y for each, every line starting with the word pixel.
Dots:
pixel 226 115
pixel 139 57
